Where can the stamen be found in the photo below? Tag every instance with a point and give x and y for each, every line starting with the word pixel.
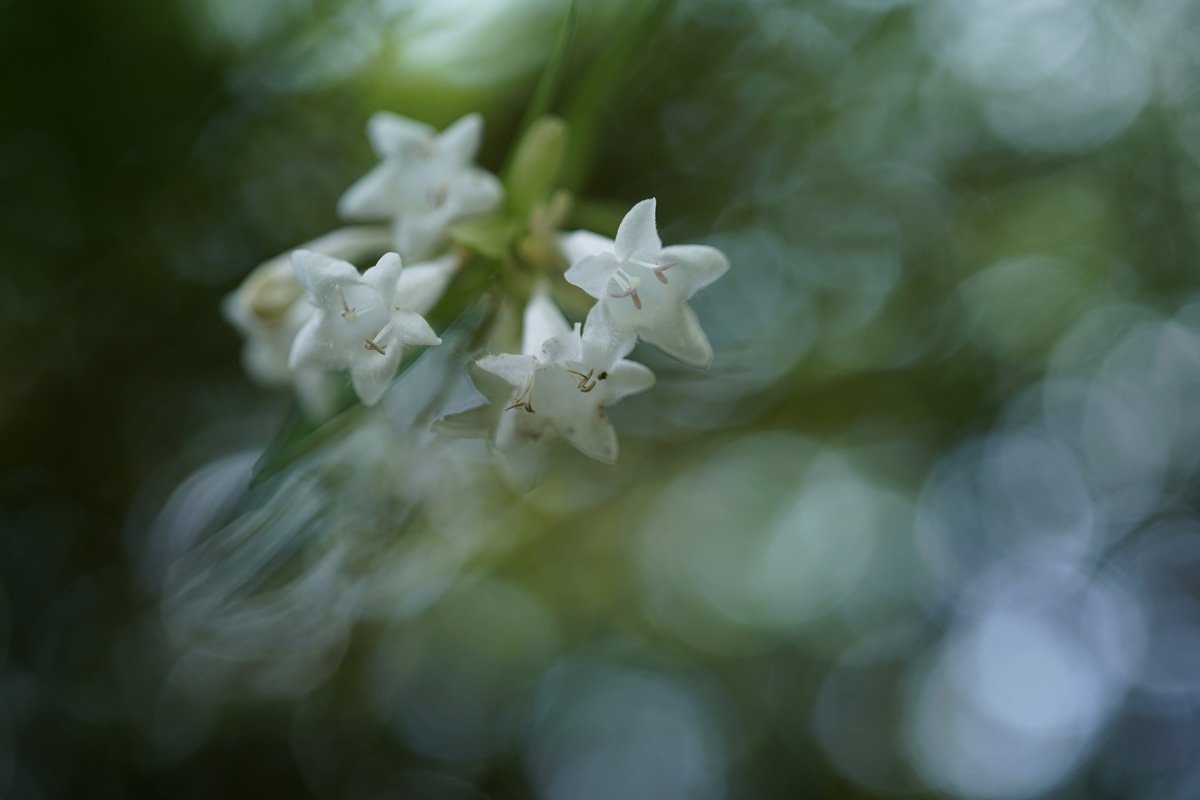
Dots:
pixel 347 312
pixel 583 379
pixel 521 402
pixel 630 292
pixel 659 269
pixel 630 284
pixel 370 344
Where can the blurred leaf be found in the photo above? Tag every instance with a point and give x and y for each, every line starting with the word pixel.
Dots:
pixel 551 77
pixel 490 236
pixel 592 96
pixel 599 216
pixel 536 164
pixel 298 437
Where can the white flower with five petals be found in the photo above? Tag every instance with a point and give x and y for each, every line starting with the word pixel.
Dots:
pixel 426 181
pixel 362 321
pixel 561 382
pixel 269 308
pixel 643 287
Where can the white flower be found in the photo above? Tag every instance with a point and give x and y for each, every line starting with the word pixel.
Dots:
pixel 427 181
pixel 269 308
pixel 561 384
pixel 361 323
pixel 642 287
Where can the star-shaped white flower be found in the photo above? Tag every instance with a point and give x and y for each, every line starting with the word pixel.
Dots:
pixel 643 287
pixel 426 181
pixel 269 308
pixel 361 323
pixel 561 383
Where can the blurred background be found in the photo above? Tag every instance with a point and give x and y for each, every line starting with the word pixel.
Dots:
pixel 928 526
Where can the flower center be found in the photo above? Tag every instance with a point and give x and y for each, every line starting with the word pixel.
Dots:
pixel 583 385
pixel 584 382
pixel 374 344
pixel 352 316
pixel 630 284
pixel 436 195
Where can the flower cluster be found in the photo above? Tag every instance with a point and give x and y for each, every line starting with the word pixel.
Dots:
pixel 311 314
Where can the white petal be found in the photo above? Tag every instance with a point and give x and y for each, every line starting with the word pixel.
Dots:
pixel 473 193
pixel 593 273
pixel 637 237
pixel 578 245
pixel 698 266
pixel 409 328
pixel 418 235
pixel 459 143
pixel 266 361
pixel 422 285
pixel 314 349
pixel 384 277
pixel 514 369
pixel 372 197
pixel 564 347
pixel 235 309
pixel 604 341
pixel 542 321
pixel 265 294
pixel 372 372
pixel 680 336
pixel 268 346
pixel 592 434
pixel 321 275
pixel 391 133
pixel 624 379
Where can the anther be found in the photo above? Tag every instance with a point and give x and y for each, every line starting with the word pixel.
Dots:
pixel 659 269
pixel 583 379
pixel 372 345
pixel 630 292
pixel 602 376
pixel 347 312
pixel 521 402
